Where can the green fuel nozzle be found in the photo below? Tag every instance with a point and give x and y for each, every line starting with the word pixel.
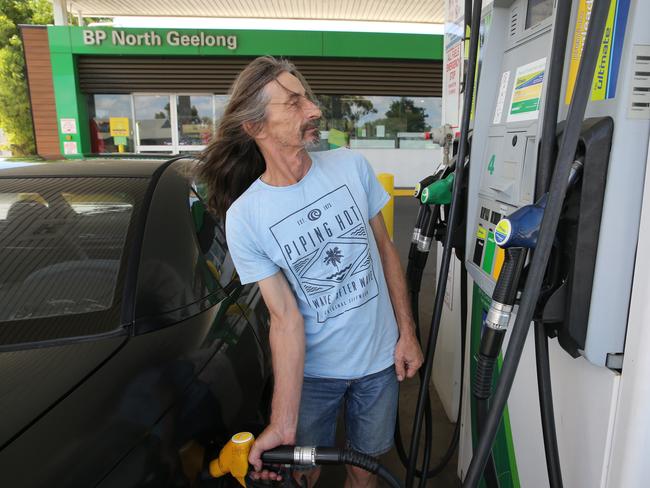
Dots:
pixel 438 192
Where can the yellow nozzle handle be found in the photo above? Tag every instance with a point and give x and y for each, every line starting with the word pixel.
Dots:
pixel 233 458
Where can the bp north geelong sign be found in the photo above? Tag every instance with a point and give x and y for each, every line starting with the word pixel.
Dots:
pixel 117 37
pixel 141 41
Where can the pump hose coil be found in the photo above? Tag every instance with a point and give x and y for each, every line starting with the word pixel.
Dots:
pixel 482 385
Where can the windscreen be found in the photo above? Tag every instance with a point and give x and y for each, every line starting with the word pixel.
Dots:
pixel 62 243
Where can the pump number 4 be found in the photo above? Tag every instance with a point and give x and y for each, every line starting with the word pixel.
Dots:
pixel 491 165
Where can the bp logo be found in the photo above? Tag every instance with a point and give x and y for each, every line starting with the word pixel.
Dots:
pixel 314 214
pixel 502 232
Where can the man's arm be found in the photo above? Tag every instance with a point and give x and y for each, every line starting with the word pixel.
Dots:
pixel 287 338
pixel 408 354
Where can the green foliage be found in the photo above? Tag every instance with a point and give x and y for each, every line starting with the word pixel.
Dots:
pixel 344 112
pixel 401 116
pixel 404 108
pixel 15 113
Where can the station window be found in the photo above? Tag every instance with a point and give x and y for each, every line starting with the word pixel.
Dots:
pixel 174 123
pixel 153 122
pixel 195 115
pixel 101 109
pixel 378 122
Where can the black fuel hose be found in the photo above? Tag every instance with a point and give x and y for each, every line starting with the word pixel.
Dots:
pixel 490 473
pixel 552 98
pixel 415 269
pixel 426 229
pixel 447 247
pixel 453 444
pixel 544 171
pixel 546 407
pixel 318 456
pixel 417 263
pixel 548 229
pixel 417 258
pixel 496 322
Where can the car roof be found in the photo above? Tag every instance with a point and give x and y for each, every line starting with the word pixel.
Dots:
pixel 122 167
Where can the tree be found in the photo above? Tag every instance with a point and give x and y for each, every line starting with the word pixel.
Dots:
pixel 348 109
pixel 15 111
pixel 404 108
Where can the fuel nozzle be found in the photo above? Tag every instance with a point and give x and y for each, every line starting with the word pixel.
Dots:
pixel 423 183
pixel 419 231
pixel 505 290
pixel 423 215
pixel 438 192
pixel 417 256
pixel 316 456
pixel 516 233
pixel 433 192
pixel 521 228
pixel 233 458
pixel 423 210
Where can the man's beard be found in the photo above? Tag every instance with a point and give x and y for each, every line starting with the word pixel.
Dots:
pixel 313 138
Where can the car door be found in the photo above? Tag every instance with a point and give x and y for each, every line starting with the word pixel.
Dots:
pixel 216 387
pixel 211 235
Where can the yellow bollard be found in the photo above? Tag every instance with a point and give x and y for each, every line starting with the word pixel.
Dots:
pixel 387 180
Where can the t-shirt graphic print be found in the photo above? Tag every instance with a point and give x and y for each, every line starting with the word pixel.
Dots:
pixel 330 258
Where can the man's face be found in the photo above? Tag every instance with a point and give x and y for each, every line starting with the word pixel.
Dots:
pixel 291 118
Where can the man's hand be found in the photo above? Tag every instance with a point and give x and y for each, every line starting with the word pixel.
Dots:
pixel 408 356
pixel 271 437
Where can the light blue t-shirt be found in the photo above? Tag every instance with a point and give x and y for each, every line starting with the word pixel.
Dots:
pixel 317 232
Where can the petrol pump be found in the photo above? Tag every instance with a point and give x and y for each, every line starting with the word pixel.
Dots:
pixel 582 309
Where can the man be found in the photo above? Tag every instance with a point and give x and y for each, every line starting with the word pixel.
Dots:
pixel 308 228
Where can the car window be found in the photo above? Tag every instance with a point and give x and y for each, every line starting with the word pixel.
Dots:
pixel 211 234
pixel 62 243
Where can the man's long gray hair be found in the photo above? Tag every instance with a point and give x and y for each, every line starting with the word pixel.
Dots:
pixel 232 161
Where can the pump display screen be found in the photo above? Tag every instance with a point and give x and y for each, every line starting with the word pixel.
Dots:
pixel 537 11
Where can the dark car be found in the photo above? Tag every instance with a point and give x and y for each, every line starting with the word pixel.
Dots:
pixel 129 350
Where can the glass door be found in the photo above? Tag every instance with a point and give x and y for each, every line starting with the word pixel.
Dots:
pixel 195 121
pixel 108 114
pixel 154 116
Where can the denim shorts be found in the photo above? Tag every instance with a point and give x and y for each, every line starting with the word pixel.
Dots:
pixel 370 406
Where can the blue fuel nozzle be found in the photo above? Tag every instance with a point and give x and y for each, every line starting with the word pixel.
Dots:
pixel 521 228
